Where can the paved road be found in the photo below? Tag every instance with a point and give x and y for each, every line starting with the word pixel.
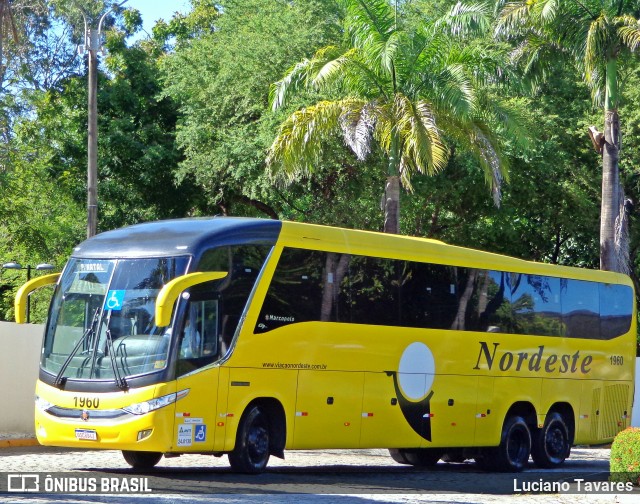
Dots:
pixel 344 476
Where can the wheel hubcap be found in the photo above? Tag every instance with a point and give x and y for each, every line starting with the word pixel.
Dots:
pixel 555 442
pixel 258 443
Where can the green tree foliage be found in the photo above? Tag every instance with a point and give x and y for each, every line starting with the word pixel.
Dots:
pixel 185 127
pixel 598 36
pixel 46 151
pixel 400 84
pixel 221 80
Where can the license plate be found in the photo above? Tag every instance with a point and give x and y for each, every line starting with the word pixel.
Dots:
pixel 87 434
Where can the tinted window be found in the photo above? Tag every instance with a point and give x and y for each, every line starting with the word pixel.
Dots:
pixel 307 286
pixel 536 305
pixel 215 308
pixel 374 291
pixel 319 286
pixel 581 309
pixel 429 295
pixel 489 309
pixel 616 302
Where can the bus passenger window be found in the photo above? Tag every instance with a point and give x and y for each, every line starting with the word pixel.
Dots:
pixel 490 307
pixel 581 309
pixel 429 295
pixel 536 305
pixel 374 290
pixel 615 310
pixel 296 290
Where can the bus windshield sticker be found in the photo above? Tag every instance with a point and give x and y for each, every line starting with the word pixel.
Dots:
pixel 114 300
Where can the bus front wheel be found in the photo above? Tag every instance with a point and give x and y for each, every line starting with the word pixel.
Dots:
pixel 420 457
pixel 251 453
pixel 551 443
pixel 141 460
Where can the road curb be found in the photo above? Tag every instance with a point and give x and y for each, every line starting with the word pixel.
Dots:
pixel 18 442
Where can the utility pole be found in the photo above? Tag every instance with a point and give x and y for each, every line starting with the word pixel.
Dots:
pixel 93 44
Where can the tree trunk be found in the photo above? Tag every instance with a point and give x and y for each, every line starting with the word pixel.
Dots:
pixel 614 247
pixel 610 205
pixel 392 205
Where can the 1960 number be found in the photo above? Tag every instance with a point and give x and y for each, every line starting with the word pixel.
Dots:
pixel 86 402
pixel 616 360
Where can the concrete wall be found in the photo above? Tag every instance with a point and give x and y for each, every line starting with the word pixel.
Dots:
pixel 19 361
pixel 635 413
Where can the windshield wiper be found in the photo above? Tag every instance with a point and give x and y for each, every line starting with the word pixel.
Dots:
pixel 60 380
pixel 121 381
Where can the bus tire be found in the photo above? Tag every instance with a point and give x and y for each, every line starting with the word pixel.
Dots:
pixel 141 460
pixel 419 457
pixel 550 445
pixel 513 452
pixel 251 453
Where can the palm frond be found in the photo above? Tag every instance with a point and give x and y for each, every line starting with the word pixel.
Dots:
pixel 333 70
pixel 297 148
pixel 358 123
pixel 629 31
pixel 513 18
pixel 596 44
pixel 294 77
pixel 484 144
pixel 548 9
pixel 463 20
pixel 454 90
pixel 421 147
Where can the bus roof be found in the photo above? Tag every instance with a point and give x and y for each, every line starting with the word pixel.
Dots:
pixel 193 236
pixel 178 237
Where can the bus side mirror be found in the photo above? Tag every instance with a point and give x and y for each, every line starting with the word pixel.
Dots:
pixel 20 304
pixel 170 292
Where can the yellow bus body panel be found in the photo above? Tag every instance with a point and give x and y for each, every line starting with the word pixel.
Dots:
pixel 111 434
pixel 338 383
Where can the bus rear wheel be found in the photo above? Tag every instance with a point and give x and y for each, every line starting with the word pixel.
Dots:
pixel 251 453
pixel 513 452
pixel 141 460
pixel 420 457
pixel 551 445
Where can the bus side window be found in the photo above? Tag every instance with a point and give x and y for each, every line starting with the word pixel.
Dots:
pixel 615 310
pixel 581 309
pixel 296 290
pixel 536 305
pixel 198 342
pixel 490 306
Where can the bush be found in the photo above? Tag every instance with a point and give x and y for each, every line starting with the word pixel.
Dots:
pixel 624 463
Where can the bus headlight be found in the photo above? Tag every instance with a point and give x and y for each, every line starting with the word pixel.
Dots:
pixel 42 404
pixel 153 404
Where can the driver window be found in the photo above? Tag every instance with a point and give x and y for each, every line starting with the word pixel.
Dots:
pixel 199 336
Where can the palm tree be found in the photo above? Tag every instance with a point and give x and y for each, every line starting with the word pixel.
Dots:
pixel 596 34
pixel 403 87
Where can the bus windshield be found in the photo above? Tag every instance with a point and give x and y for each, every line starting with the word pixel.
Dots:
pixel 102 319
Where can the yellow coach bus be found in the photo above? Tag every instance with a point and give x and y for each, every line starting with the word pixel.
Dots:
pixel 250 337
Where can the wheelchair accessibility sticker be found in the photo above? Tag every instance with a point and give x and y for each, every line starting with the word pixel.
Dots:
pixel 200 435
pixel 114 300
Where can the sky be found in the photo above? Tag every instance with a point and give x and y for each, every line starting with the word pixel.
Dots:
pixel 152 10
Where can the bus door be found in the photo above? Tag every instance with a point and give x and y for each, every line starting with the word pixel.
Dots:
pixel 328 409
pixel 196 413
